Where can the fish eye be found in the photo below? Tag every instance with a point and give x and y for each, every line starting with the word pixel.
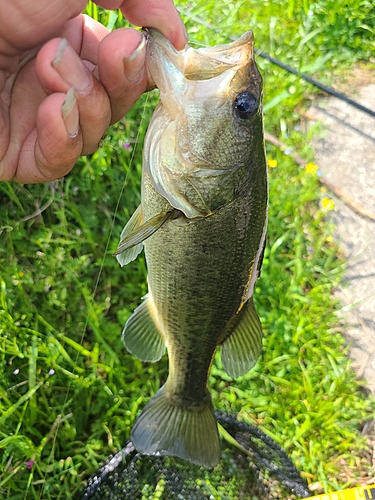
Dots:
pixel 245 105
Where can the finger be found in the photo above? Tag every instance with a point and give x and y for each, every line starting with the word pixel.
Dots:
pixel 84 34
pixel 121 64
pixel 52 148
pixel 159 14
pixel 59 68
pixel 31 23
pixel 4 126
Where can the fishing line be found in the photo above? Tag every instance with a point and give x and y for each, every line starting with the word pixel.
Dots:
pixel 286 67
pixel 325 88
pixel 98 280
pixel 97 283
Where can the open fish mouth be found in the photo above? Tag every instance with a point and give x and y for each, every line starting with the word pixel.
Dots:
pixel 174 72
pixel 202 63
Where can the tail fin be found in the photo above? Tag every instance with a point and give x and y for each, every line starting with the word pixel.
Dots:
pixel 188 432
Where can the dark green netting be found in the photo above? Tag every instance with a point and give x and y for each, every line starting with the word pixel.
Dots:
pixel 265 472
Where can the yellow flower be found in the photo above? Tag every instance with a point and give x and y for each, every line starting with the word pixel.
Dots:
pixel 272 163
pixel 328 204
pixel 311 168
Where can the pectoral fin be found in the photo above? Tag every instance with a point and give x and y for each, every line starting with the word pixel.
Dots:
pixel 136 232
pixel 241 349
pixel 141 336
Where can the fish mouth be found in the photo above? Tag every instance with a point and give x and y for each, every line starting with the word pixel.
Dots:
pixel 174 72
pixel 203 63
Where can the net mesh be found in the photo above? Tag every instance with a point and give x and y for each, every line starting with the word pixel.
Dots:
pixel 263 471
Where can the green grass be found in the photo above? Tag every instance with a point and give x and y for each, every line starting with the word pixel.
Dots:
pixel 69 392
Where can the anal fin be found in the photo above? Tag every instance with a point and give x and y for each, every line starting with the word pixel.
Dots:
pixel 141 336
pixel 241 348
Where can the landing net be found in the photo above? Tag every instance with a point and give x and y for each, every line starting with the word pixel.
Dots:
pixel 262 470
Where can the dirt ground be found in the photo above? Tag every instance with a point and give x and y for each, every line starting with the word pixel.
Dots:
pixel 345 153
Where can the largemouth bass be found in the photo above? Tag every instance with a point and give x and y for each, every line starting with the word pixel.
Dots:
pixel 202 222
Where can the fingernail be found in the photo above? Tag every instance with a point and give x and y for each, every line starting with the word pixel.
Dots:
pixel 134 64
pixel 70 67
pixel 69 111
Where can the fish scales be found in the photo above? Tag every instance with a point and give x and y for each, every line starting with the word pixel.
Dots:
pixel 202 222
pixel 193 317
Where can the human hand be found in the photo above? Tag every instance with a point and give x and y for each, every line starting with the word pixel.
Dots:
pixel 64 79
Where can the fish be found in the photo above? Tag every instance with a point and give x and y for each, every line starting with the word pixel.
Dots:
pixel 202 223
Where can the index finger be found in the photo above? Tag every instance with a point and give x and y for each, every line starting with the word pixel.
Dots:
pixel 159 14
